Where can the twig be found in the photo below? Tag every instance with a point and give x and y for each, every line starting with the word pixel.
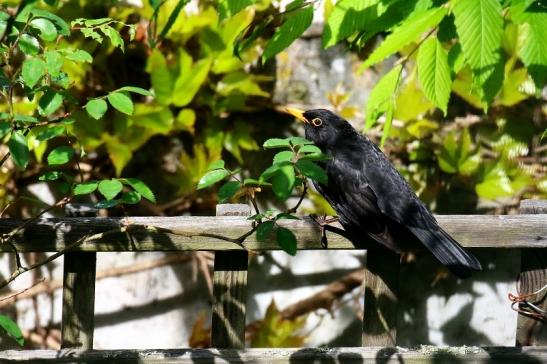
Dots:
pixel 12 296
pixel 302 196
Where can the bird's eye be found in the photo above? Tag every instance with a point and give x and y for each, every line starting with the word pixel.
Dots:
pixel 317 122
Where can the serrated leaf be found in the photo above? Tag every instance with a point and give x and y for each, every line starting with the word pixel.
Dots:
pixel 32 71
pixel 293 27
pixel 284 156
pixel 212 177
pixel 313 171
pixel 434 73
pixel 141 188
pixel 533 49
pixel 29 45
pixel 283 182
pixel 455 58
pixel 264 230
pixel 85 188
pixel 309 149
pixel 47 29
pixel 96 108
pixel 271 170
pixel 77 55
pixel 228 190
pixel 405 33
pixel 110 188
pixel 479 24
pixel 12 330
pixel 50 102
pixel 60 24
pixel 93 34
pixel 286 240
pixel 130 197
pixel 276 143
pixel 54 63
pixel 121 102
pixel 60 155
pixel 137 90
pixel 113 35
pixel 18 148
pixel 382 96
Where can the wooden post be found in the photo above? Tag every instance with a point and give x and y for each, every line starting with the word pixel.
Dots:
pixel 78 320
pixel 381 298
pixel 230 290
pixel 533 276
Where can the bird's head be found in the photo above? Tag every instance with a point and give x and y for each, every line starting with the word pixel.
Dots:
pixel 322 126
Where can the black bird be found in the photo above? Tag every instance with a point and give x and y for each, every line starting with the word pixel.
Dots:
pixel 371 197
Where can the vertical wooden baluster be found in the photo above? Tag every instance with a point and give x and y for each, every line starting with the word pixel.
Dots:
pixel 78 321
pixel 230 290
pixel 533 276
pixel 381 298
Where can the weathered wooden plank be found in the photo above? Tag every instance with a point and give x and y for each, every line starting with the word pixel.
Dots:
pixel 371 355
pixel 475 231
pixel 533 276
pixel 381 298
pixel 230 290
pixel 79 269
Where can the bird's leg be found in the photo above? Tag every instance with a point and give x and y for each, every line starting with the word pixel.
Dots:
pixel 324 226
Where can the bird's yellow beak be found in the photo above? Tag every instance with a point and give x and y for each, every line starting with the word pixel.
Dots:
pixel 299 114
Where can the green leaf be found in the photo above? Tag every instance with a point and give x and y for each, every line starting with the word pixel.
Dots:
pixel 60 155
pixel 18 148
pixel 85 188
pixel 161 78
pixel 283 182
pixel 264 230
pixel 228 8
pixel 5 128
pixel 434 73
pixel 479 24
pixel 32 71
pixel 284 156
pixel 90 33
pixel 121 102
pixel 254 182
pixel 113 35
pixel 60 24
pixel 24 118
pixel 29 45
pixel 110 188
pixel 276 143
pixel 286 216
pixel 96 108
pixel 212 177
pixel 296 23
pixel 227 191
pixel 50 176
pixel 313 171
pixel 387 124
pixel 286 240
pixel 309 149
pixel 136 90
pixel 130 197
pixel 50 102
pixel 348 17
pixel 172 18
pixel 455 58
pixel 141 188
pixel 54 63
pixel 77 55
pixel 495 183
pixel 271 170
pixel 299 141
pixel 406 33
pixel 11 328
pixel 382 96
pixel 216 165
pixel 533 50
pixel 47 29
pixel 190 79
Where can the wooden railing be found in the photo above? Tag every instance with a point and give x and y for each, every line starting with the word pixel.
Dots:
pixel 81 238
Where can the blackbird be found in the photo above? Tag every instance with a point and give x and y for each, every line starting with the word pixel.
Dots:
pixel 372 198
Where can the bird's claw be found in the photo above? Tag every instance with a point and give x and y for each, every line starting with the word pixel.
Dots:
pixel 322 221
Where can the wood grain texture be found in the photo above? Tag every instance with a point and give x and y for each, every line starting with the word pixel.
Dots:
pixel 381 298
pixel 533 276
pixel 230 290
pixel 78 320
pixel 371 355
pixel 473 231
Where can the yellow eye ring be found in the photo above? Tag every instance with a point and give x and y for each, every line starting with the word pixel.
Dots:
pixel 317 122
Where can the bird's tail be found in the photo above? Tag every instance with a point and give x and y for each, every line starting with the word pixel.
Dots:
pixel 448 251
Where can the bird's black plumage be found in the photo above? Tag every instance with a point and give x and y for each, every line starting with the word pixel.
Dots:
pixel 371 197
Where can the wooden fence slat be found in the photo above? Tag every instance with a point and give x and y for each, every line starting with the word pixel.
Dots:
pixel 373 355
pixel 79 269
pixel 472 231
pixel 230 290
pixel 533 276
pixel 381 298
